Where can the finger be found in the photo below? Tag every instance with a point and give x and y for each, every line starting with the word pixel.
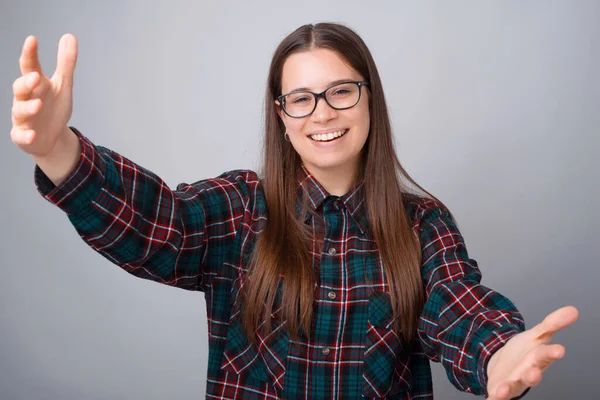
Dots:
pixel 22 137
pixel 555 321
pixel 29 61
pixel 23 86
pixel 66 60
pixel 22 111
pixel 508 390
pixel 532 377
pixel 544 356
pixel 503 391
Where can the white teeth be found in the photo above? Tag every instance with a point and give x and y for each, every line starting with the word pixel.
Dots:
pixel 327 136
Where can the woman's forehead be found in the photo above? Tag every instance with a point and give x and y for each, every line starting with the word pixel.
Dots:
pixel 315 70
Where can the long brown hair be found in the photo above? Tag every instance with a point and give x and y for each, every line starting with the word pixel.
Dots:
pixel 282 248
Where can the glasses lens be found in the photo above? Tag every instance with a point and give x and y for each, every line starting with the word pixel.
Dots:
pixel 344 95
pixel 299 104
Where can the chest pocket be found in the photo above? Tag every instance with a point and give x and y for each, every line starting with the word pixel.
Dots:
pixel 385 367
pixel 263 361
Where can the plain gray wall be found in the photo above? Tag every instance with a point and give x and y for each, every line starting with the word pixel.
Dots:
pixel 495 110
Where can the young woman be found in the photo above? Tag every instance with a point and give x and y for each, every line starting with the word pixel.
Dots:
pixel 327 275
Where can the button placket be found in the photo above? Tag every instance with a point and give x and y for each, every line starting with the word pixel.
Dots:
pixel 331 252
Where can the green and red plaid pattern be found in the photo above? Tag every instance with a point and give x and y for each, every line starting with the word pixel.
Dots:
pixel 200 237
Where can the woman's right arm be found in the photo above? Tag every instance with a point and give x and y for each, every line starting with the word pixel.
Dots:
pixel 131 217
pixel 126 213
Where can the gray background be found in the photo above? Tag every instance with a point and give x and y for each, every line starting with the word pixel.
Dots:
pixel 495 110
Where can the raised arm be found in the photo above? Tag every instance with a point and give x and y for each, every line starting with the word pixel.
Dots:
pixel 123 211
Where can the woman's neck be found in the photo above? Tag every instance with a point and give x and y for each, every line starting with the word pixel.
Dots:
pixel 337 181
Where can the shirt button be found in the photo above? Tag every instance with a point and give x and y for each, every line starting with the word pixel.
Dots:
pixel 331 251
pixel 331 295
pixel 326 351
pixel 336 205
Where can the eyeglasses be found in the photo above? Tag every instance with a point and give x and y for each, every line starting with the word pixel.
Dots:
pixel 302 103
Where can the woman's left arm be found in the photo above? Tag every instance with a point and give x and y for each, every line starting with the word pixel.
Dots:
pixel 476 333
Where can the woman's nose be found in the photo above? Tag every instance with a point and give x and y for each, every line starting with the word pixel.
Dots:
pixel 323 111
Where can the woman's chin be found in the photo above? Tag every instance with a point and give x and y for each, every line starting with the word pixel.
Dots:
pixel 327 163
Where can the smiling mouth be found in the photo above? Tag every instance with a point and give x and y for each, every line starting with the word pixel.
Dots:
pixel 328 137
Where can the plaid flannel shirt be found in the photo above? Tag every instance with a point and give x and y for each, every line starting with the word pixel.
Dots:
pixel 200 237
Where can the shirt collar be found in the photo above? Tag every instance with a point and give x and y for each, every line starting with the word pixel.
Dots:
pixel 353 201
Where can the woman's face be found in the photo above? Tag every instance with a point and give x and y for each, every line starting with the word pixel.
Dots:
pixel 316 70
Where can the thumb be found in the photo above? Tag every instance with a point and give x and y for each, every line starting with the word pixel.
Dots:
pixel 66 60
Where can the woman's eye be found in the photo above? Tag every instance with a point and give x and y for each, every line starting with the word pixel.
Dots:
pixel 301 100
pixel 341 91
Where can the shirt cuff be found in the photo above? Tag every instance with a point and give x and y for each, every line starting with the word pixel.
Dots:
pixel 82 184
pixel 494 343
pixel 487 353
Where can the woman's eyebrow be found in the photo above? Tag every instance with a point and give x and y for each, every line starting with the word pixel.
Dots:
pixel 330 84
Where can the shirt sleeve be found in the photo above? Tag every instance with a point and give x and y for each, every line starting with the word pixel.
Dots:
pixel 131 217
pixel 463 322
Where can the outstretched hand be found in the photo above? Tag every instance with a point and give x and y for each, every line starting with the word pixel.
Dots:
pixel 520 363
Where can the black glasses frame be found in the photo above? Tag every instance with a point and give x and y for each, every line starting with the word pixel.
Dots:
pixel 360 84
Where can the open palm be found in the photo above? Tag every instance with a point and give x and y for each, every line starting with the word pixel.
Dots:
pixel 520 363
